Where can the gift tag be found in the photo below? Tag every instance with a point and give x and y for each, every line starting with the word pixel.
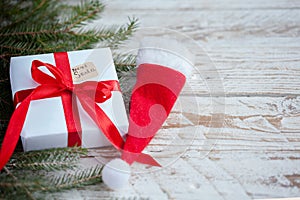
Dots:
pixel 84 71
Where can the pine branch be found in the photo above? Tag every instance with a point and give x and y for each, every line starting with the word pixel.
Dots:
pixel 24 183
pixel 82 14
pixel 16 13
pixel 22 186
pixel 115 35
pixel 124 62
pixel 29 185
pixel 80 178
pixel 53 159
pixel 30 12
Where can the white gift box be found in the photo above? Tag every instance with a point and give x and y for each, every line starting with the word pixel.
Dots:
pixel 45 125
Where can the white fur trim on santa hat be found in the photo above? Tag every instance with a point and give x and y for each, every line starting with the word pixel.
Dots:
pixel 166 52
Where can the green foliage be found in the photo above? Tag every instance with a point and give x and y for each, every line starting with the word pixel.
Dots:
pixel 44 26
pixel 80 178
pixel 53 159
pixel 30 173
pixel 124 62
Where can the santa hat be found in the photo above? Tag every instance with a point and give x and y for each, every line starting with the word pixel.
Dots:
pixel 163 67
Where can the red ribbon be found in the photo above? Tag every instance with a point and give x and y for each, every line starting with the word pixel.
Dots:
pixel 70 109
pixel 89 93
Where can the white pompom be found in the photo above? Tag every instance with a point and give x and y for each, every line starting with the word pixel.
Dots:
pixel 116 174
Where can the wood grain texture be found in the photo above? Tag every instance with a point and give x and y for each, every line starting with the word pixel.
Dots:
pixel 238 142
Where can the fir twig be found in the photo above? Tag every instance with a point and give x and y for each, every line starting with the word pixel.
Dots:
pixel 81 14
pixel 53 159
pixel 31 184
pixel 21 185
pixel 20 182
pixel 80 178
pixel 124 62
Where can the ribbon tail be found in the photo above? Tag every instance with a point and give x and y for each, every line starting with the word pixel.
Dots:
pixel 13 132
pixel 102 120
pixel 110 130
pixel 147 159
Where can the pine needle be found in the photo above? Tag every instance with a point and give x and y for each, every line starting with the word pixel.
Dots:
pixel 124 62
pixel 80 178
pixel 53 159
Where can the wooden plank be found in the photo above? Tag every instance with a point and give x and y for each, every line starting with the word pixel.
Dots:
pixel 215 17
pixel 259 68
pixel 170 5
pixel 259 163
pixel 250 54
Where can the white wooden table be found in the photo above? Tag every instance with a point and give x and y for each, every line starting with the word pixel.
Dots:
pixel 247 140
